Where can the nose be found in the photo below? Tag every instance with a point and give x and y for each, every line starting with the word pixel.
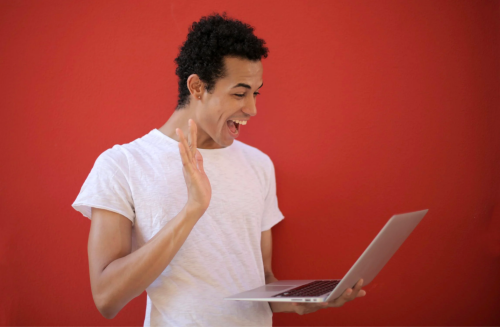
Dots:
pixel 250 107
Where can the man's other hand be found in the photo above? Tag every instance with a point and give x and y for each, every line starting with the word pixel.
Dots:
pixel 349 295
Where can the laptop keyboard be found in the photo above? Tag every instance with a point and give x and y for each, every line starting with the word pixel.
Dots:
pixel 316 288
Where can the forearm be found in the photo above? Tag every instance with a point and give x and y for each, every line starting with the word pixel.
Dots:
pixel 278 306
pixel 126 278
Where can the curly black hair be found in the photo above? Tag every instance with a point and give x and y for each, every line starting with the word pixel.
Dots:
pixel 208 42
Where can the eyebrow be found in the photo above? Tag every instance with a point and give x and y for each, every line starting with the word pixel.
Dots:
pixel 246 86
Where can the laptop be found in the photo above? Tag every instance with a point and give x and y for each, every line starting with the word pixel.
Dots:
pixel 368 265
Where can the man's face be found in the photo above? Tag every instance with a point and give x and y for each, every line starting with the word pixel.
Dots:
pixel 233 98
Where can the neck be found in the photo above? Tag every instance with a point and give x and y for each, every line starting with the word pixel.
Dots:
pixel 179 119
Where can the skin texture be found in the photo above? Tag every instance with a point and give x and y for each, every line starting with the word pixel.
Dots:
pixel 210 111
pixel 118 275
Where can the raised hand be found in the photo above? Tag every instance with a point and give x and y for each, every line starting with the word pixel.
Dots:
pixel 198 185
pixel 348 295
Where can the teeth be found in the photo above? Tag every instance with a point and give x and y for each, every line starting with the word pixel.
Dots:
pixel 241 122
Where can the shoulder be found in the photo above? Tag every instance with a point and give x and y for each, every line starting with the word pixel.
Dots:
pixel 111 163
pixel 115 154
pixel 121 154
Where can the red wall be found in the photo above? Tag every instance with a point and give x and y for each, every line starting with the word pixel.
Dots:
pixel 369 108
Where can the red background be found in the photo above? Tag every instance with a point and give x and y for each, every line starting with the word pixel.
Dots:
pixel 369 108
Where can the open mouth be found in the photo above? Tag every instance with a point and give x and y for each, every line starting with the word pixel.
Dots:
pixel 235 125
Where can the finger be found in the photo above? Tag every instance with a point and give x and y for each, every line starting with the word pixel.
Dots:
pixel 184 149
pixel 348 295
pixel 341 300
pixel 357 289
pixel 184 158
pixel 361 293
pixel 193 129
pixel 184 142
pixel 190 139
pixel 199 160
pixel 352 293
pixel 189 135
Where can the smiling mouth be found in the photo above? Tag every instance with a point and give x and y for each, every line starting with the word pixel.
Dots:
pixel 233 126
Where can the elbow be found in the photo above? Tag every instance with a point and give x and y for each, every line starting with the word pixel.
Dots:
pixel 104 307
pixel 108 314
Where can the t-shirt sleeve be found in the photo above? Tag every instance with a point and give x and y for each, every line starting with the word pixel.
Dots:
pixel 107 186
pixel 272 214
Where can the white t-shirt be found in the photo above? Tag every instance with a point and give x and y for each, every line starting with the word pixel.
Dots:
pixel 143 181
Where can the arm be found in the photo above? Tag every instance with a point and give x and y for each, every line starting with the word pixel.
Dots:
pixel 299 307
pixel 117 275
pixel 267 249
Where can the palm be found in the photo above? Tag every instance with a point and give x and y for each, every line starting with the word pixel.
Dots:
pixel 198 185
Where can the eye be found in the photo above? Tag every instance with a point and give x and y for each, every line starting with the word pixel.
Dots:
pixel 240 95
pixel 256 93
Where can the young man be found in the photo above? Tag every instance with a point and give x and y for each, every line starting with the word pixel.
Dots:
pixel 186 211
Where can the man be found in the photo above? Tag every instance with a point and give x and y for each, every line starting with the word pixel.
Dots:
pixel 190 239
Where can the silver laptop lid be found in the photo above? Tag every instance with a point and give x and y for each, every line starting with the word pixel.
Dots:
pixel 380 250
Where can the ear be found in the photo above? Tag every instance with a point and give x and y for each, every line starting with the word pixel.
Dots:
pixel 195 86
